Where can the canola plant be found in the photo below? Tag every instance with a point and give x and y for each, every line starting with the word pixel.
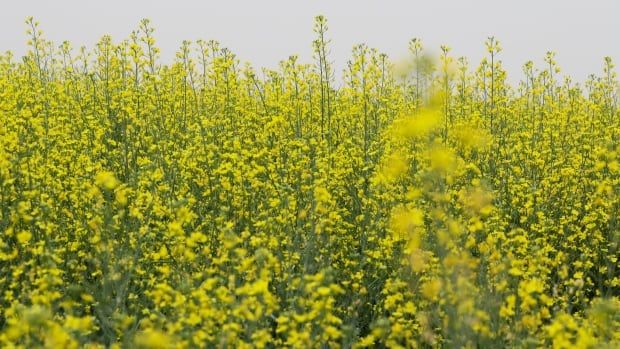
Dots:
pixel 207 204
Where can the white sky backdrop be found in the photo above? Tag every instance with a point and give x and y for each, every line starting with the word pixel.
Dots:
pixel 267 31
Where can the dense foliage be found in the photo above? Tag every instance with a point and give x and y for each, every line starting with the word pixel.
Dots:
pixel 203 203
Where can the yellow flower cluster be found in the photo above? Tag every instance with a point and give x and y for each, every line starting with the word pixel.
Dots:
pixel 204 204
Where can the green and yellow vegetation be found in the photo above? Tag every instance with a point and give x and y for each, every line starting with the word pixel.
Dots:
pixel 203 203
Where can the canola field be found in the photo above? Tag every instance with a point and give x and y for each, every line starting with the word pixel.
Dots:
pixel 206 203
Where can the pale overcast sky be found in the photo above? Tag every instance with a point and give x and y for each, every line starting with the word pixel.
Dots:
pixel 267 31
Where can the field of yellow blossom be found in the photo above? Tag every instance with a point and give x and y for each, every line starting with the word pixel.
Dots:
pixel 206 204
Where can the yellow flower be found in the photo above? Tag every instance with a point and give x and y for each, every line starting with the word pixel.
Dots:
pixel 152 339
pixel 418 125
pixel 24 237
pixel 106 180
pixel 431 288
pixel 396 165
pixel 404 220
pixel 442 159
